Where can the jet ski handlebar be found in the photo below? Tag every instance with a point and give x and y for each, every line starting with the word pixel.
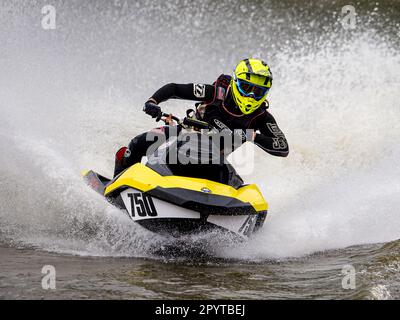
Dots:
pixel 186 122
pixel 168 117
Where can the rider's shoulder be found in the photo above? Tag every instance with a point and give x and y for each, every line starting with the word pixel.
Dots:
pixel 224 80
pixel 263 113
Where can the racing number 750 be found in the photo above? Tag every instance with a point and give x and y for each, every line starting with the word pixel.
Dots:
pixel 142 204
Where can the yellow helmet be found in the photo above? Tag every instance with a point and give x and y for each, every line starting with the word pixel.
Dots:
pixel 250 84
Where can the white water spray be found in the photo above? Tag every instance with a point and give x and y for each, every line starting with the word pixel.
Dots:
pixel 71 96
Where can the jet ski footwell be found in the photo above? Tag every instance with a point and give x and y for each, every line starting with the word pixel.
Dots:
pixel 176 205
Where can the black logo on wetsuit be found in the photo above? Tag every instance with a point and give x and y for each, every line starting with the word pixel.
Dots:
pixel 280 140
pixel 199 90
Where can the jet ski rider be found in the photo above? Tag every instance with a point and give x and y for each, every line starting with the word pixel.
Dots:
pixel 238 102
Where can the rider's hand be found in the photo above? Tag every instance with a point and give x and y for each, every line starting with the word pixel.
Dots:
pixel 153 110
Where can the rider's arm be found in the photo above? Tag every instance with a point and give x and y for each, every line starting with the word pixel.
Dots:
pixel 271 139
pixel 190 91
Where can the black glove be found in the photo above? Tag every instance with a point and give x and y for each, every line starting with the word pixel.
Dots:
pixel 153 110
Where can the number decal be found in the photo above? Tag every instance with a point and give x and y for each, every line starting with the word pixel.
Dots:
pixel 141 211
pixel 150 207
pixel 142 205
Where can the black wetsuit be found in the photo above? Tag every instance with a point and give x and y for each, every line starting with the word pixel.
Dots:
pixel 217 103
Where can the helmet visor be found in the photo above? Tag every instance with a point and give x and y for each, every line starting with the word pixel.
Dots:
pixel 248 89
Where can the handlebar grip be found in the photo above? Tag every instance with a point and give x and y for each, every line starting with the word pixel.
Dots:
pixel 188 121
pixel 196 123
pixel 172 117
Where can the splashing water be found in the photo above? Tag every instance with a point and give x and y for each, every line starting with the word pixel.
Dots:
pixel 71 96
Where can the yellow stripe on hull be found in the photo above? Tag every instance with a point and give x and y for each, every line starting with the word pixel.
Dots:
pixel 145 179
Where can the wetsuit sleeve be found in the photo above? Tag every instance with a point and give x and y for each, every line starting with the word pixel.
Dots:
pixel 190 91
pixel 271 139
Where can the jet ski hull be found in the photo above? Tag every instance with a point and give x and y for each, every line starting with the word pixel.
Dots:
pixel 176 206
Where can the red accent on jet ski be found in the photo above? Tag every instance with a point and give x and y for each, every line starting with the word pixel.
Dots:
pixel 120 153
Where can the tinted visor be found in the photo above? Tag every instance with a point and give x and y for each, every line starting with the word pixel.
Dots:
pixel 248 89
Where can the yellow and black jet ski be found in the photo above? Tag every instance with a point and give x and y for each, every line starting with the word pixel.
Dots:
pixel 186 199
